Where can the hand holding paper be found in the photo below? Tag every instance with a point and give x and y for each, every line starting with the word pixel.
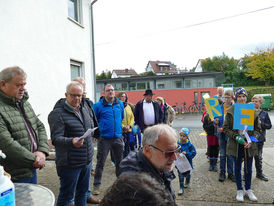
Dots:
pixel 87 133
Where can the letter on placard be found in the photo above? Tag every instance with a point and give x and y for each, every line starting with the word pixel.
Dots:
pixel 244 116
pixel 213 107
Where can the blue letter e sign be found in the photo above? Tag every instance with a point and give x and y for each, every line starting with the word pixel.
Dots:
pixel 243 116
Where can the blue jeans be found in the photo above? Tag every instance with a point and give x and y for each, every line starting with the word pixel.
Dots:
pixel 182 178
pixel 73 181
pixel 225 160
pixel 32 180
pixel 89 193
pixel 247 169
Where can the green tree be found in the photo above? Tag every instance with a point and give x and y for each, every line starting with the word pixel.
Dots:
pixel 145 74
pixel 222 64
pixel 104 75
pixel 260 65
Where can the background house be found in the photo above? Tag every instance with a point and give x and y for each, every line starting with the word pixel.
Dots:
pixel 122 73
pixel 198 67
pixel 160 67
pixel 51 41
pixel 186 87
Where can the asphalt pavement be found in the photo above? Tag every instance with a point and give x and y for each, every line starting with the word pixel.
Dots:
pixel 205 189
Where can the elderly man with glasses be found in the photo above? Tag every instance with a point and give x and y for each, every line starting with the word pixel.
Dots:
pixel 68 121
pixel 160 150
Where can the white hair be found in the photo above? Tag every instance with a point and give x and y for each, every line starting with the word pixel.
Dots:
pixel 73 83
pixel 151 134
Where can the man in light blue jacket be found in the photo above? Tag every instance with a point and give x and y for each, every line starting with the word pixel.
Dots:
pixel 110 113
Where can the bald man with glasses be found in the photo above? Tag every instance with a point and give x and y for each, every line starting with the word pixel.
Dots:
pixel 160 150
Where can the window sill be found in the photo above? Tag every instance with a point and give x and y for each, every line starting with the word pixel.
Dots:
pixel 75 22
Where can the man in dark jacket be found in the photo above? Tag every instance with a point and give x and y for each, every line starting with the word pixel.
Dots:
pixel 68 121
pixel 23 136
pixel 147 112
pixel 90 199
pixel 160 150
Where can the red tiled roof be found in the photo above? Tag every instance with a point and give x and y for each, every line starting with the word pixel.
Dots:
pixel 155 66
pixel 125 71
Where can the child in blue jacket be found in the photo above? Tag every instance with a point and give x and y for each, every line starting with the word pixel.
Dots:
pixel 189 151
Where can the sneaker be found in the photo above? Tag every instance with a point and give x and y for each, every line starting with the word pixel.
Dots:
pixel 222 177
pixel 187 184
pixel 240 195
pixel 181 191
pixel 95 190
pixel 210 168
pixel 215 168
pixel 262 177
pixel 250 195
pixel 231 177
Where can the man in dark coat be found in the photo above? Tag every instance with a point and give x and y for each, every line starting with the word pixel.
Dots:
pixel 160 150
pixel 147 112
pixel 68 121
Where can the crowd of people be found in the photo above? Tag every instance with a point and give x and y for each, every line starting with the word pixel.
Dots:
pixel 233 144
pixel 140 138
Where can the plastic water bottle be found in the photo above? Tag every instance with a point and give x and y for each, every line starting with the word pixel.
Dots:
pixel 7 194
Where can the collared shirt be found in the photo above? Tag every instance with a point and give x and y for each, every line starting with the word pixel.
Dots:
pixel 149 115
pixel 31 133
pixel 76 111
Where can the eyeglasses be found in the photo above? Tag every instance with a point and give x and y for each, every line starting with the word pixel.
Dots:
pixel 168 154
pixel 75 95
pixel 110 90
pixel 123 96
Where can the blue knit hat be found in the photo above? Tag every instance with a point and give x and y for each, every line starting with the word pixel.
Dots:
pixel 185 131
pixel 240 91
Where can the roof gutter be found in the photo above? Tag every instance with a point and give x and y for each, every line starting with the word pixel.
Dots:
pixel 93 68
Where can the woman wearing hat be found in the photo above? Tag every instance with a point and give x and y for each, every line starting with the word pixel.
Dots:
pixel 239 148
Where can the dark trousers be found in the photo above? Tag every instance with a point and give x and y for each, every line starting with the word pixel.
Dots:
pixel 73 181
pixel 213 151
pixel 104 145
pixel 247 168
pixel 126 138
pixel 259 159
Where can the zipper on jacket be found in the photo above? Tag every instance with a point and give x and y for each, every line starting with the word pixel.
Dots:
pixel 113 120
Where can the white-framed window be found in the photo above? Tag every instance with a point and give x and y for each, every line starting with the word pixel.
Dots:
pixel 178 84
pixel 124 86
pixel 208 82
pixel 141 85
pixel 160 86
pixel 74 10
pixel 200 83
pixel 187 83
pixel 76 69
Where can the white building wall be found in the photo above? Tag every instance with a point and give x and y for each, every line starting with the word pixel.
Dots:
pixel 38 36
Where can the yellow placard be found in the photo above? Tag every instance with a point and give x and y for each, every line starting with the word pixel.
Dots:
pixel 213 107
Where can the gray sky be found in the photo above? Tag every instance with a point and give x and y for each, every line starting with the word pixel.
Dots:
pixel 129 33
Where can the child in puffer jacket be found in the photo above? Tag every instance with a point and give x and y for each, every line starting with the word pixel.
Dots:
pixel 189 151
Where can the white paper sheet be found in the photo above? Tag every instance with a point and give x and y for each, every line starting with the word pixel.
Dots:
pixel 87 133
pixel 182 163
